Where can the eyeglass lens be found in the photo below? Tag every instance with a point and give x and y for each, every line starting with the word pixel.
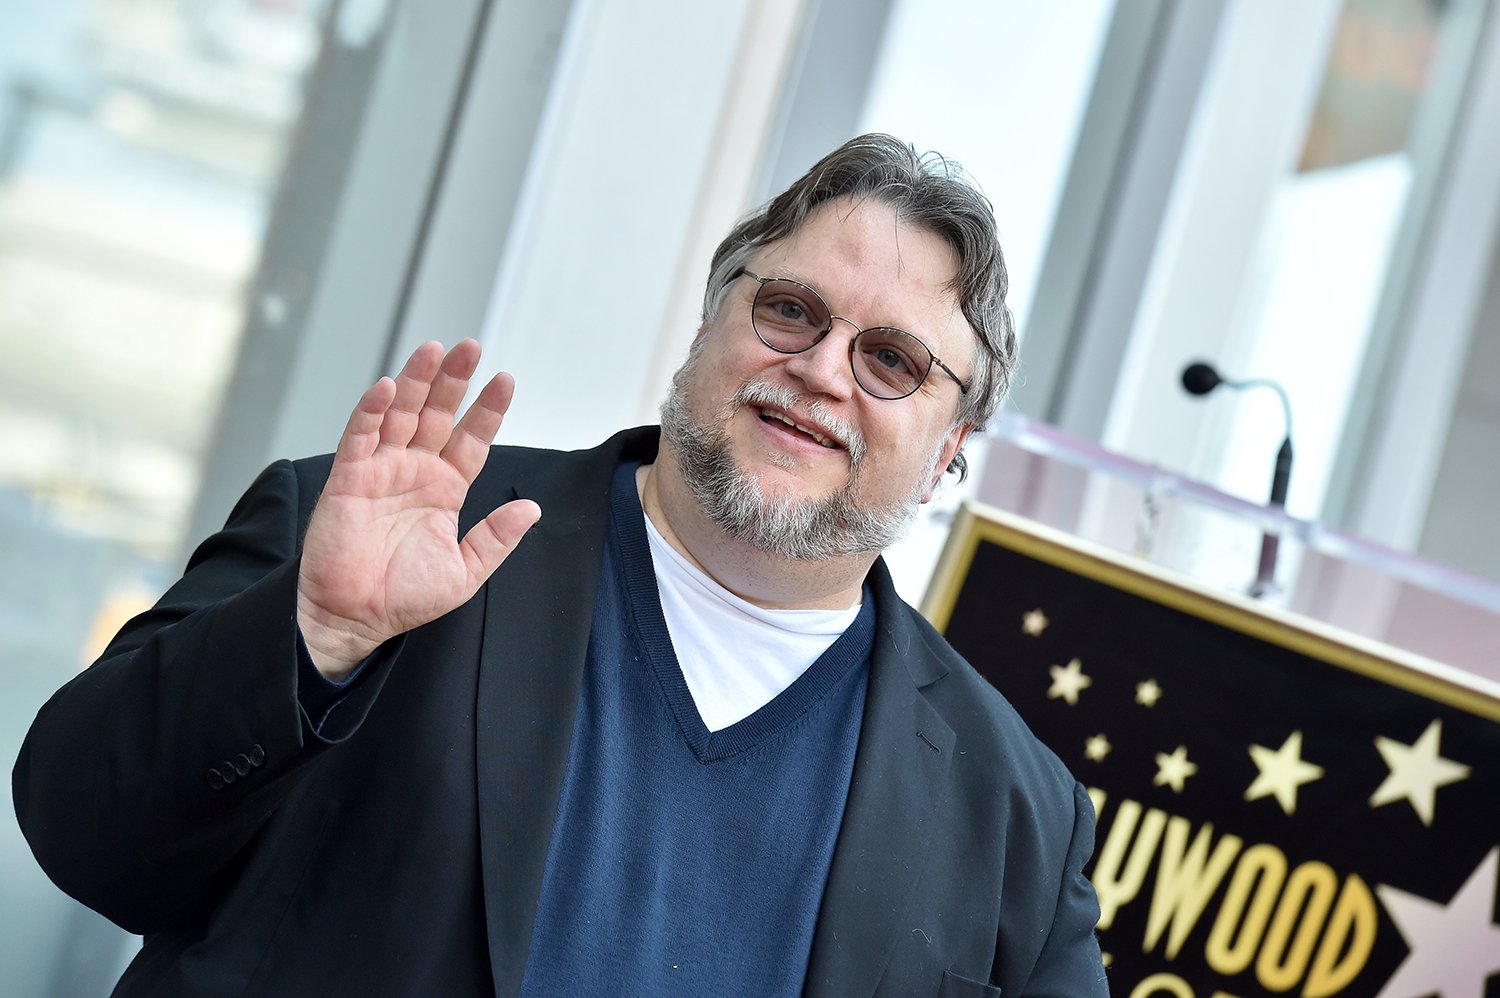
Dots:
pixel 889 363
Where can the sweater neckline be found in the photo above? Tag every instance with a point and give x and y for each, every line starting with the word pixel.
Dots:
pixel 848 653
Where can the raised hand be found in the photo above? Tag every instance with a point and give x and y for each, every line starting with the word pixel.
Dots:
pixel 382 553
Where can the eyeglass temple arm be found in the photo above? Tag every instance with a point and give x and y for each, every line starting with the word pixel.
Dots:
pixel 962 388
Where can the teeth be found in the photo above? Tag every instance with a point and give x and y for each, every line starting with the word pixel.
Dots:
pixel 824 441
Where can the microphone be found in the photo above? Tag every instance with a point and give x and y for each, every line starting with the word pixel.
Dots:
pixel 1200 378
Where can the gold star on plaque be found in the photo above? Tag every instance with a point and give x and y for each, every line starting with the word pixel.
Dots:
pixel 1068 681
pixel 1034 623
pixel 1416 772
pixel 1097 747
pixel 1281 772
pixel 1147 693
pixel 1173 770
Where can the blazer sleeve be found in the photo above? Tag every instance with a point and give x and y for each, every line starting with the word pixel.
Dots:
pixel 143 779
pixel 1069 964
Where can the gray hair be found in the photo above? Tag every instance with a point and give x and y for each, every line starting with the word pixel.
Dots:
pixel 927 191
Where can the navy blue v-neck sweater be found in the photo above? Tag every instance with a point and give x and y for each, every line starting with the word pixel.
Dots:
pixel 684 861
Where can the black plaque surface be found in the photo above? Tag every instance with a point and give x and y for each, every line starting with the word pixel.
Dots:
pixel 1282 809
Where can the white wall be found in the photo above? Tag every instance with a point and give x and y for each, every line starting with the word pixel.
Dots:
pixel 587 305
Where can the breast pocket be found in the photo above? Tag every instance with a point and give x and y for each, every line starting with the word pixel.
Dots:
pixel 955 986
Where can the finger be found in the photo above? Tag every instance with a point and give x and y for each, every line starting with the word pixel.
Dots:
pixel 412 386
pixel 470 443
pixel 435 420
pixel 362 432
pixel 490 541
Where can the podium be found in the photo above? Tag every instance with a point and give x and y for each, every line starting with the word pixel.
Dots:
pixel 1298 794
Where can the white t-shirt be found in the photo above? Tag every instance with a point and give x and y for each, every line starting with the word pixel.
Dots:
pixel 735 656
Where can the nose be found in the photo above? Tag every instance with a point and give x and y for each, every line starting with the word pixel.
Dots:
pixel 825 366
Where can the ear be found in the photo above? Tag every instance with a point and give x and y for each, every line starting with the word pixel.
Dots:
pixel 951 446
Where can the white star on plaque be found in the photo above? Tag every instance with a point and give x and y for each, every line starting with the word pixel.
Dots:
pixel 1173 770
pixel 1416 772
pixel 1034 623
pixel 1454 946
pixel 1068 681
pixel 1281 772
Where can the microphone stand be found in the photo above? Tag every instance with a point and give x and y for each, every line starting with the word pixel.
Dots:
pixel 1270 542
pixel 1200 378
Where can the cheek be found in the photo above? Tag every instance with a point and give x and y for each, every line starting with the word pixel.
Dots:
pixel 897 453
pixel 725 356
pixel 931 456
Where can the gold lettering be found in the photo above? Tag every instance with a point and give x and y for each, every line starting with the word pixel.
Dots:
pixel 1354 913
pixel 1114 889
pixel 1172 985
pixel 1256 923
pixel 1157 983
pixel 1260 873
pixel 1283 960
pixel 1185 882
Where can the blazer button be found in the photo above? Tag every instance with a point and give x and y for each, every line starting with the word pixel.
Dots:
pixel 226 770
pixel 257 756
pixel 215 780
pixel 242 764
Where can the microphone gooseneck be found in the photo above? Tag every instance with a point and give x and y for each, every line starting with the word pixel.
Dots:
pixel 1200 378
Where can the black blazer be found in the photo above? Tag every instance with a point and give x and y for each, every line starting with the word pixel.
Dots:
pixel 400 851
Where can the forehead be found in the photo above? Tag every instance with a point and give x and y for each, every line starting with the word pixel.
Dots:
pixel 877 270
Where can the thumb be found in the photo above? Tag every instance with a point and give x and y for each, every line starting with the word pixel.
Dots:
pixel 490 541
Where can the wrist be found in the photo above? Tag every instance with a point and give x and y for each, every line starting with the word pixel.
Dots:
pixel 335 650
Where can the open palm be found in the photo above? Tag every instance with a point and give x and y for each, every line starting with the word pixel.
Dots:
pixel 382 553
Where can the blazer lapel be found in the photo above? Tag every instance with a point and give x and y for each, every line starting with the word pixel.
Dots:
pixel 538 611
pixel 896 795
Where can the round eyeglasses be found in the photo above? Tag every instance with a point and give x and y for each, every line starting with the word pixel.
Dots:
pixel 889 363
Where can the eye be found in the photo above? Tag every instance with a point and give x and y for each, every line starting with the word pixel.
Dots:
pixel 786 307
pixel 890 363
pixel 790 309
pixel 893 360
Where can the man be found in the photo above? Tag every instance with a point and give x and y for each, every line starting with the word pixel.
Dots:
pixel 428 717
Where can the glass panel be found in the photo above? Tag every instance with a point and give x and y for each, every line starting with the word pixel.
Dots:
pixel 961 93
pixel 140 141
pixel 957 92
pixel 1323 265
pixel 1218 541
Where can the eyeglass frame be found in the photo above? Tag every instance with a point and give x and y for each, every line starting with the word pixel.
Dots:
pixel 858 332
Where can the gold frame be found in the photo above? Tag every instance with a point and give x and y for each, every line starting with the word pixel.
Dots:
pixel 975 524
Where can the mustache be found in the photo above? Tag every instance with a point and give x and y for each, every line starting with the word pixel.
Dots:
pixel 760 393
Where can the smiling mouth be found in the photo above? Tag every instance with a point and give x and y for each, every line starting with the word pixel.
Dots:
pixel 822 440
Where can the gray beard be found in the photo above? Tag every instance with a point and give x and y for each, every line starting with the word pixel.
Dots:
pixel 801 529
